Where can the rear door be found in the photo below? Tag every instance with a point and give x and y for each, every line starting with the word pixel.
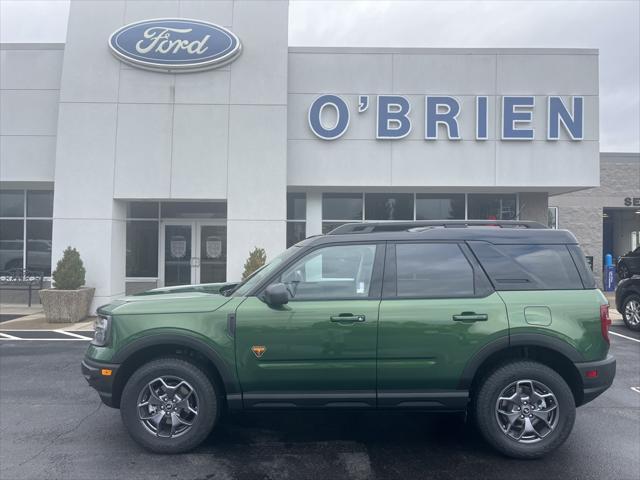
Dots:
pixel 438 309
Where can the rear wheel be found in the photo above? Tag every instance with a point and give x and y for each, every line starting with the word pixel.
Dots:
pixel 631 312
pixel 524 409
pixel 169 405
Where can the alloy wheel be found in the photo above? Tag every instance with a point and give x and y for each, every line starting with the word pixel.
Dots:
pixel 527 411
pixel 632 312
pixel 168 406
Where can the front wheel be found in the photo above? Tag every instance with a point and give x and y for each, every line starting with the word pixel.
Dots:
pixel 524 409
pixel 631 312
pixel 623 271
pixel 169 405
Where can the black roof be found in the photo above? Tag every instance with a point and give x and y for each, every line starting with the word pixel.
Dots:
pixel 492 231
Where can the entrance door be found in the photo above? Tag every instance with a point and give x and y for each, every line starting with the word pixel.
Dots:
pixel 192 252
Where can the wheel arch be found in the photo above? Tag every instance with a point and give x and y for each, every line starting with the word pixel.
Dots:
pixel 545 349
pixel 146 348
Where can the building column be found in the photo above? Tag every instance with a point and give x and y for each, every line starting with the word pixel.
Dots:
pixel 314 213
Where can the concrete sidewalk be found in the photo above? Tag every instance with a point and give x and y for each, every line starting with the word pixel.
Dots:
pixel 32 318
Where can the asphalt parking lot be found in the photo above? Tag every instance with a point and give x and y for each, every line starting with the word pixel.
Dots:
pixel 53 426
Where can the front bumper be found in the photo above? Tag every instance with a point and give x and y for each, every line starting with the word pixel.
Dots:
pixel 594 386
pixel 103 384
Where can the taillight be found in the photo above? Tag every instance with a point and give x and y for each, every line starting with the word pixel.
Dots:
pixel 605 321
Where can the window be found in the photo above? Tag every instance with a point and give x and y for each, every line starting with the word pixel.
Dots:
pixel 338 271
pixel 550 265
pixel 342 206
pixel 439 207
pixel 25 230
pixel 552 217
pixel 296 217
pixel 488 206
pixel 388 206
pixel 142 248
pixel 193 209
pixel 432 270
pixel 528 267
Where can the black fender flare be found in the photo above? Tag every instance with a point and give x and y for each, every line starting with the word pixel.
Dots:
pixel 516 340
pixel 226 371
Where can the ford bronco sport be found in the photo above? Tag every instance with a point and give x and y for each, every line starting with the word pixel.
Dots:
pixel 502 320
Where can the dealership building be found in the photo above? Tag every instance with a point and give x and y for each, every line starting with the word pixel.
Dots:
pixel 163 166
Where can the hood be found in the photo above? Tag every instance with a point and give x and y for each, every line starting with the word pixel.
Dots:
pixel 202 287
pixel 167 302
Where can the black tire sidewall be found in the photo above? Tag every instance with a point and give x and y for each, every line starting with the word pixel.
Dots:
pixel 635 328
pixel 500 378
pixel 208 405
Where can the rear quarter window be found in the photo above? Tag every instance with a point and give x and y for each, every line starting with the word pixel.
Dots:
pixel 528 267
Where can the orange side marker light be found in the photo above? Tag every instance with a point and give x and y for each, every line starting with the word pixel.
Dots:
pixel 106 372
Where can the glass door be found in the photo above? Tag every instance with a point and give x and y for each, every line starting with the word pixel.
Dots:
pixel 178 245
pixel 212 240
pixel 192 252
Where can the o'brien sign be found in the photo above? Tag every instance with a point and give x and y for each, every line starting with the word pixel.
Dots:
pixel 393 117
pixel 174 45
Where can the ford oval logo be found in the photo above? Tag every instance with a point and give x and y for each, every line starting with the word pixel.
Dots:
pixel 174 45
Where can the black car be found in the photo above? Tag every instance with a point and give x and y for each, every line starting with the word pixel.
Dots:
pixel 629 264
pixel 628 301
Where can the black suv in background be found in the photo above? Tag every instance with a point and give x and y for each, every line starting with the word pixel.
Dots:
pixel 628 301
pixel 629 264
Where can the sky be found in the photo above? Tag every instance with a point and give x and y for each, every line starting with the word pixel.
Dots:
pixel 612 26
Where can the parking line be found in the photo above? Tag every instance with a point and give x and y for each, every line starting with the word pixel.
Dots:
pixel 6 336
pixel 624 336
pixel 72 334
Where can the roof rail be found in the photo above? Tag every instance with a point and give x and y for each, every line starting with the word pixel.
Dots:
pixel 418 226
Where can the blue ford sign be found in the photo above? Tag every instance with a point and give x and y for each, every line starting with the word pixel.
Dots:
pixel 174 45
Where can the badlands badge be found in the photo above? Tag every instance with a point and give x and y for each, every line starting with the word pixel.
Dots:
pixel 258 350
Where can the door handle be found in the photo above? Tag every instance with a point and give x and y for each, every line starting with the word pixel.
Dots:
pixel 471 317
pixel 347 317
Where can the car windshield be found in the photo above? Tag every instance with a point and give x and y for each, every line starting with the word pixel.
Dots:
pixel 247 285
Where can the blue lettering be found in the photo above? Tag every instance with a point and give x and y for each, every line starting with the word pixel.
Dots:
pixel 512 115
pixel 435 117
pixel 315 117
pixel 392 117
pixel 482 118
pixel 557 112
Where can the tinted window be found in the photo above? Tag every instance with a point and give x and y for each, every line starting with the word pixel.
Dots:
pixel 342 206
pixel 11 244
pixel 388 206
pixel 39 203
pixel 296 231
pixel 339 271
pixel 11 203
pixel 585 271
pixel 488 206
pixel 142 249
pixel 142 210
pixel 39 246
pixel 439 206
pixel 433 270
pixel 296 206
pixel 528 267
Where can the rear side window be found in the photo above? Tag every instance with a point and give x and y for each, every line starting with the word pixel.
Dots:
pixel 588 280
pixel 432 270
pixel 528 267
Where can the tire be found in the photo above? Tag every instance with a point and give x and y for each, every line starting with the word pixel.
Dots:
pixel 631 312
pixel 183 377
pixel 500 382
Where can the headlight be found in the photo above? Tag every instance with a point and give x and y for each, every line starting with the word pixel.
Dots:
pixel 102 326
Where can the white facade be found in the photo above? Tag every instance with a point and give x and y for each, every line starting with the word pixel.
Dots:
pixel 102 134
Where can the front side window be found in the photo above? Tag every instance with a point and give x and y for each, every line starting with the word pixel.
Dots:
pixel 432 270
pixel 338 271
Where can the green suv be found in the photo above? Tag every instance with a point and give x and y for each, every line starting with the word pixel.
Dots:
pixel 502 320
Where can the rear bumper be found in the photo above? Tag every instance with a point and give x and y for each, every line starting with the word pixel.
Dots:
pixel 594 386
pixel 103 384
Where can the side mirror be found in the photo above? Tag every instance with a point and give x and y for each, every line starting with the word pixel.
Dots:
pixel 276 294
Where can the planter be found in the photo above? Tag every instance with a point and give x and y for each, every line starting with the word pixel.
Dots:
pixel 66 306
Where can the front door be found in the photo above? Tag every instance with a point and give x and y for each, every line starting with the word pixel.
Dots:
pixel 193 251
pixel 320 348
